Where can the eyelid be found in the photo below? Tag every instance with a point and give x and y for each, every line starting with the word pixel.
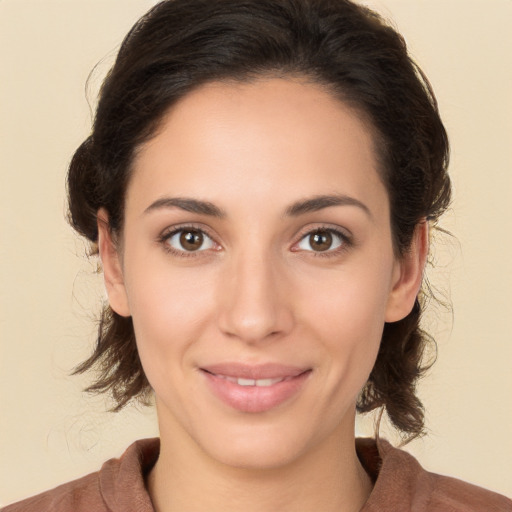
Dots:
pixel 347 240
pixel 344 234
pixel 170 231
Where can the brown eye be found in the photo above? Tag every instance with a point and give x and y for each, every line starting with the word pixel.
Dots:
pixel 322 240
pixel 189 240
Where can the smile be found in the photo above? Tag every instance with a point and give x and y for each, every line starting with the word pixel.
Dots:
pixel 255 389
pixel 254 382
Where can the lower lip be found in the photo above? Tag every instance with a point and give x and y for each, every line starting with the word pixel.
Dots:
pixel 255 399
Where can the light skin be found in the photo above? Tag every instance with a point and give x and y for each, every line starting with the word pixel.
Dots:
pixel 257 231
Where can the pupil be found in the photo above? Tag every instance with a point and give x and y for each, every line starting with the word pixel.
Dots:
pixel 321 241
pixel 191 240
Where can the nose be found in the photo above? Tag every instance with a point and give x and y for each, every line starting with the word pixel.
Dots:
pixel 254 300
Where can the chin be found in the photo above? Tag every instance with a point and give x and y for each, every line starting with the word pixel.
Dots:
pixel 258 456
pixel 259 446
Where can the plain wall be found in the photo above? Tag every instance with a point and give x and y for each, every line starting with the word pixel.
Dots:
pixel 49 431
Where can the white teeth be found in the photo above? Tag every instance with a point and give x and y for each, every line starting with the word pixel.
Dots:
pixel 259 382
pixel 266 382
pixel 252 382
pixel 246 382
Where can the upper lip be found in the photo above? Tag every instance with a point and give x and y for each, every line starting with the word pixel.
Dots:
pixel 255 372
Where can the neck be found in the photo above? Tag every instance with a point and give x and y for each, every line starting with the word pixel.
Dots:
pixel 328 478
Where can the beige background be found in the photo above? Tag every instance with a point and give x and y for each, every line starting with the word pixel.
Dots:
pixel 49 431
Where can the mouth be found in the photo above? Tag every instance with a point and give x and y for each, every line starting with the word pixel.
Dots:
pixel 264 383
pixel 255 389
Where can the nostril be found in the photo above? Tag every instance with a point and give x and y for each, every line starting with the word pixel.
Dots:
pixel 254 306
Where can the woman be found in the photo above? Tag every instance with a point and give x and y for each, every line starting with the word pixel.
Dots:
pixel 259 184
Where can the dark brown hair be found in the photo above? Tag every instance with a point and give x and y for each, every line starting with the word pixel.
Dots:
pixel 181 44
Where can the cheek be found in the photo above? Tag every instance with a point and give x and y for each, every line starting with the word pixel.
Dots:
pixel 170 308
pixel 348 316
pixel 350 304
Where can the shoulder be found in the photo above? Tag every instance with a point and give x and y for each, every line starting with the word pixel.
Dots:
pixel 452 494
pixel 118 487
pixel 401 484
pixel 78 495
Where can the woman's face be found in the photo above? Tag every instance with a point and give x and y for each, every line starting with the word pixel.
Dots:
pixel 256 261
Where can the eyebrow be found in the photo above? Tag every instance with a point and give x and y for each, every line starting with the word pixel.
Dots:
pixel 187 204
pixel 301 207
pixel 317 203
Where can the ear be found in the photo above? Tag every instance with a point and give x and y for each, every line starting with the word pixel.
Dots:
pixel 112 269
pixel 408 275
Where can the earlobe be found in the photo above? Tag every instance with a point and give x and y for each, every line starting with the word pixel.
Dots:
pixel 112 269
pixel 409 275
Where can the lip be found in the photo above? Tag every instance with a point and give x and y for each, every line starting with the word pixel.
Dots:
pixel 253 398
pixel 259 371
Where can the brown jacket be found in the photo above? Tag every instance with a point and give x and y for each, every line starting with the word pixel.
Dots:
pixel 401 485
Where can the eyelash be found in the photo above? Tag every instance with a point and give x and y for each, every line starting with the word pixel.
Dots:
pixel 168 234
pixel 346 241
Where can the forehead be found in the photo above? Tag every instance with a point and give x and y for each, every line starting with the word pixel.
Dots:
pixel 270 139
